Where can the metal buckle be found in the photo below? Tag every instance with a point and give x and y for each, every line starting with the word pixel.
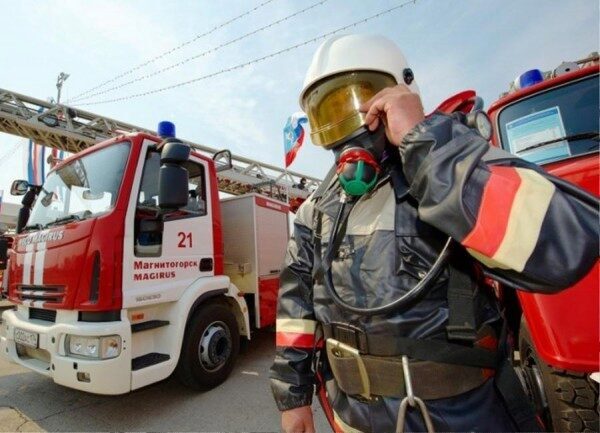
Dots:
pixel 350 335
pixel 341 350
pixel 411 400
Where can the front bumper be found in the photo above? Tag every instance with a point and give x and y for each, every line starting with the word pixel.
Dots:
pixel 110 376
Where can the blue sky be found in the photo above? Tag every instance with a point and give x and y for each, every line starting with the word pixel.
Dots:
pixel 451 45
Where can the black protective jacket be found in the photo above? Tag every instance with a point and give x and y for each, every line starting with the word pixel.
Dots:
pixel 515 224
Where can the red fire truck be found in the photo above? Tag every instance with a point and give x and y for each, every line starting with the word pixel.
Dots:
pixel 552 119
pixel 129 268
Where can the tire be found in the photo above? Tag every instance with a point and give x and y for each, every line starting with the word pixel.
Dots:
pixel 210 347
pixel 565 400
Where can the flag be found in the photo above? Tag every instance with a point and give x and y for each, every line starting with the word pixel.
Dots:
pixel 293 136
pixel 36 163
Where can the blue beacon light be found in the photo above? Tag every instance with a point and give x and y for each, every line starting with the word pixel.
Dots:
pixel 529 78
pixel 166 129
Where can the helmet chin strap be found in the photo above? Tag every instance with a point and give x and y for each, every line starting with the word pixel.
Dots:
pixel 358 159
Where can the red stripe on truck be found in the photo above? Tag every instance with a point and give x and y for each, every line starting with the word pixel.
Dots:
pixel 263 202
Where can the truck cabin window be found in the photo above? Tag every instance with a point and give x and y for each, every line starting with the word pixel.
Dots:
pixel 84 188
pixel 557 124
pixel 148 225
pixel 148 195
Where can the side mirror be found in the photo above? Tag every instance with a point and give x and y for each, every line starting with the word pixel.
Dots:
pixel 222 160
pixel 19 187
pixel 173 177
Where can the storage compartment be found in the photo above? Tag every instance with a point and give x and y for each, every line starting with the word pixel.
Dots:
pixel 255 234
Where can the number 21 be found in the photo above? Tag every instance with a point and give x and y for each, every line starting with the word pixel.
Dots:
pixel 185 240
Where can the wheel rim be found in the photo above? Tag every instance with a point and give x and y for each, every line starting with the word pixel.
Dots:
pixel 214 348
pixel 535 385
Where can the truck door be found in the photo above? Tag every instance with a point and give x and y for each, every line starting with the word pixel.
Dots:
pixel 165 254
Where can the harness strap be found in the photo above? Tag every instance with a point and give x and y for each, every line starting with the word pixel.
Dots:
pixel 431 380
pixel 425 350
pixel 317 271
pixel 326 184
pixel 509 386
pixel 461 309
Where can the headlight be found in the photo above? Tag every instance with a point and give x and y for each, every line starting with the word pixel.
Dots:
pixel 94 347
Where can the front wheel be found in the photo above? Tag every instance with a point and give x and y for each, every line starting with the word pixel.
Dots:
pixel 210 347
pixel 565 400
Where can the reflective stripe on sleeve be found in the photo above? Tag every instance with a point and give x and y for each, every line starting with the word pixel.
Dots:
pixel 299 326
pixel 295 333
pixel 513 208
pixel 289 339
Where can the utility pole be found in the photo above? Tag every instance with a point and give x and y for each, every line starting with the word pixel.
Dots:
pixel 62 77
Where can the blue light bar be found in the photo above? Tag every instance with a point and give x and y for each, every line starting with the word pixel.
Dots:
pixel 529 78
pixel 166 129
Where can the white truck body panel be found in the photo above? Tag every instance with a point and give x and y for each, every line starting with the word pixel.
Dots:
pixel 255 234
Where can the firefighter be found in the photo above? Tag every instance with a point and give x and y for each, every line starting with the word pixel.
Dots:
pixel 382 306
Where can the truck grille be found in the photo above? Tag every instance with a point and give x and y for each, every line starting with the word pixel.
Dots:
pixel 54 295
pixel 41 314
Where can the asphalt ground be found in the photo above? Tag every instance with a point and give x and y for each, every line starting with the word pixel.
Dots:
pixel 32 402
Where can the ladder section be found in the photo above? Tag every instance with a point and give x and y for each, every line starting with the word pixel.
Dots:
pixel 66 128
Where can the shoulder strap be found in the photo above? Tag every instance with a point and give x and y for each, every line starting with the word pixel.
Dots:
pixel 461 299
pixel 325 184
pixel 317 224
pixel 317 270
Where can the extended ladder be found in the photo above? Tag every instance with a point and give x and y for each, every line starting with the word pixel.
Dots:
pixel 66 128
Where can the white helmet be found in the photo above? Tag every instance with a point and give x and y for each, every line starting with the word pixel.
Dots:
pixel 362 65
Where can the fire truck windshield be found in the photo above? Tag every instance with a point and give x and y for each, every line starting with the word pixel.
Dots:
pixel 555 124
pixel 85 187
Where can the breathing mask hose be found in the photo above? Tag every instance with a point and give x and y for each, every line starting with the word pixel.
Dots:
pixel 337 233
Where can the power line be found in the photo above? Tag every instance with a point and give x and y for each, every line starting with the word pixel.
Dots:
pixel 212 50
pixel 172 50
pixel 254 61
pixel 4 157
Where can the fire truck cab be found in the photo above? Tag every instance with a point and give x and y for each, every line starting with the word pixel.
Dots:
pixel 552 119
pixel 123 275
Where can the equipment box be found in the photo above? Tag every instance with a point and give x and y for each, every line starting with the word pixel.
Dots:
pixel 255 234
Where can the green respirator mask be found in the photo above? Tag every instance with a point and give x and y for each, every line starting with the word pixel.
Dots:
pixel 358 160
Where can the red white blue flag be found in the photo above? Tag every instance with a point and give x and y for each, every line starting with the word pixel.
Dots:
pixel 36 163
pixel 293 136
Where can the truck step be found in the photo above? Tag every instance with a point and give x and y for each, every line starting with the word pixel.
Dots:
pixel 150 324
pixel 148 360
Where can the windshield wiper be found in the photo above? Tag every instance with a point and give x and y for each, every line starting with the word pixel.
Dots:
pixel 33 227
pixel 65 219
pixel 574 137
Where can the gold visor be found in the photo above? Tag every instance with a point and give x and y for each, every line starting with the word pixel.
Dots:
pixel 332 104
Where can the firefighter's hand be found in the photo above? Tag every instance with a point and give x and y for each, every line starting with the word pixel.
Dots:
pixel 398 108
pixel 298 420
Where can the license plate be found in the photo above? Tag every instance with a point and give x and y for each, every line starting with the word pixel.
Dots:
pixel 26 338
